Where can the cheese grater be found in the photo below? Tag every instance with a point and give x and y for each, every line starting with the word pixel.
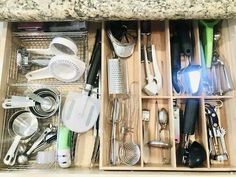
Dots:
pixel 117 76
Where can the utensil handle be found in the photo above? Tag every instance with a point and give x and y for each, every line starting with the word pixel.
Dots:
pixel 157 74
pixel 40 51
pixel 42 62
pixel 191 114
pixel 95 60
pixel 9 159
pixel 148 72
pixel 11 103
pixel 39 74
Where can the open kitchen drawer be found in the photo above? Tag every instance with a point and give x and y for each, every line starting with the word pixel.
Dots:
pixel 12 82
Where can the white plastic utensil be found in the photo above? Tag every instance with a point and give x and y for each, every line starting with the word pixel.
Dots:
pixel 151 87
pixel 157 75
pixel 64 68
pixel 80 119
pixel 59 45
pixel 17 102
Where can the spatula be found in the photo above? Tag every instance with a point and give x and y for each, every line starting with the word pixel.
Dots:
pixel 81 110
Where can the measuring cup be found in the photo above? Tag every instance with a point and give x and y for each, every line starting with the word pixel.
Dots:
pixel 22 125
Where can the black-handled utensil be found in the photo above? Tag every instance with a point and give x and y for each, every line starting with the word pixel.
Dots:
pixel 194 153
pixel 95 62
pixel 175 61
pixel 191 114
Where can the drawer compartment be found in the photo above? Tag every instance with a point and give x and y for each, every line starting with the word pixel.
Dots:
pixel 129 114
pixel 160 33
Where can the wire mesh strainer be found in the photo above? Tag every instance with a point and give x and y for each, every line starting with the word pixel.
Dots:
pixel 129 151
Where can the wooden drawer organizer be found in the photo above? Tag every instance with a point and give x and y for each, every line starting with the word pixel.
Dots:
pixel 160 36
pixel 161 39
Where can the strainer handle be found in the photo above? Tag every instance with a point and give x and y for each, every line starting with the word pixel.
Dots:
pixel 41 51
pixel 42 73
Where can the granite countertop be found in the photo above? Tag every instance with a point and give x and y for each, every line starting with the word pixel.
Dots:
pixel 47 10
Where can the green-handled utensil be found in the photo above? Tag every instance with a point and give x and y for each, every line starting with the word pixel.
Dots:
pixel 208 39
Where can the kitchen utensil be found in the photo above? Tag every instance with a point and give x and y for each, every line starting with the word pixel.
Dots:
pixel 23 157
pixel 175 61
pixel 208 39
pixel 117 76
pixel 196 152
pixel 162 119
pixel 85 117
pixel 39 140
pixel 216 133
pixel 64 68
pixel 122 49
pixel 177 112
pixel 88 102
pixel 114 142
pixel 221 78
pixel 157 75
pixel 17 102
pixel 129 151
pixel 47 102
pixel 151 87
pixel 197 155
pixel 64 147
pixel 96 149
pixel 23 124
pixel 58 46
pixel 146 119
pixel 24 61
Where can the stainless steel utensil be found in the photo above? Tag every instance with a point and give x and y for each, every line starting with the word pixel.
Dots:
pixel 114 150
pixel 117 76
pixel 47 102
pixel 146 119
pixel 23 124
pixel 151 87
pixel 129 151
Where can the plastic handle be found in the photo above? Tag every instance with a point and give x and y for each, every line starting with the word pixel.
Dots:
pixel 12 103
pixel 39 74
pixel 42 62
pixel 95 60
pixel 157 74
pixel 191 114
pixel 185 40
pixel 208 40
pixel 10 156
pixel 64 145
